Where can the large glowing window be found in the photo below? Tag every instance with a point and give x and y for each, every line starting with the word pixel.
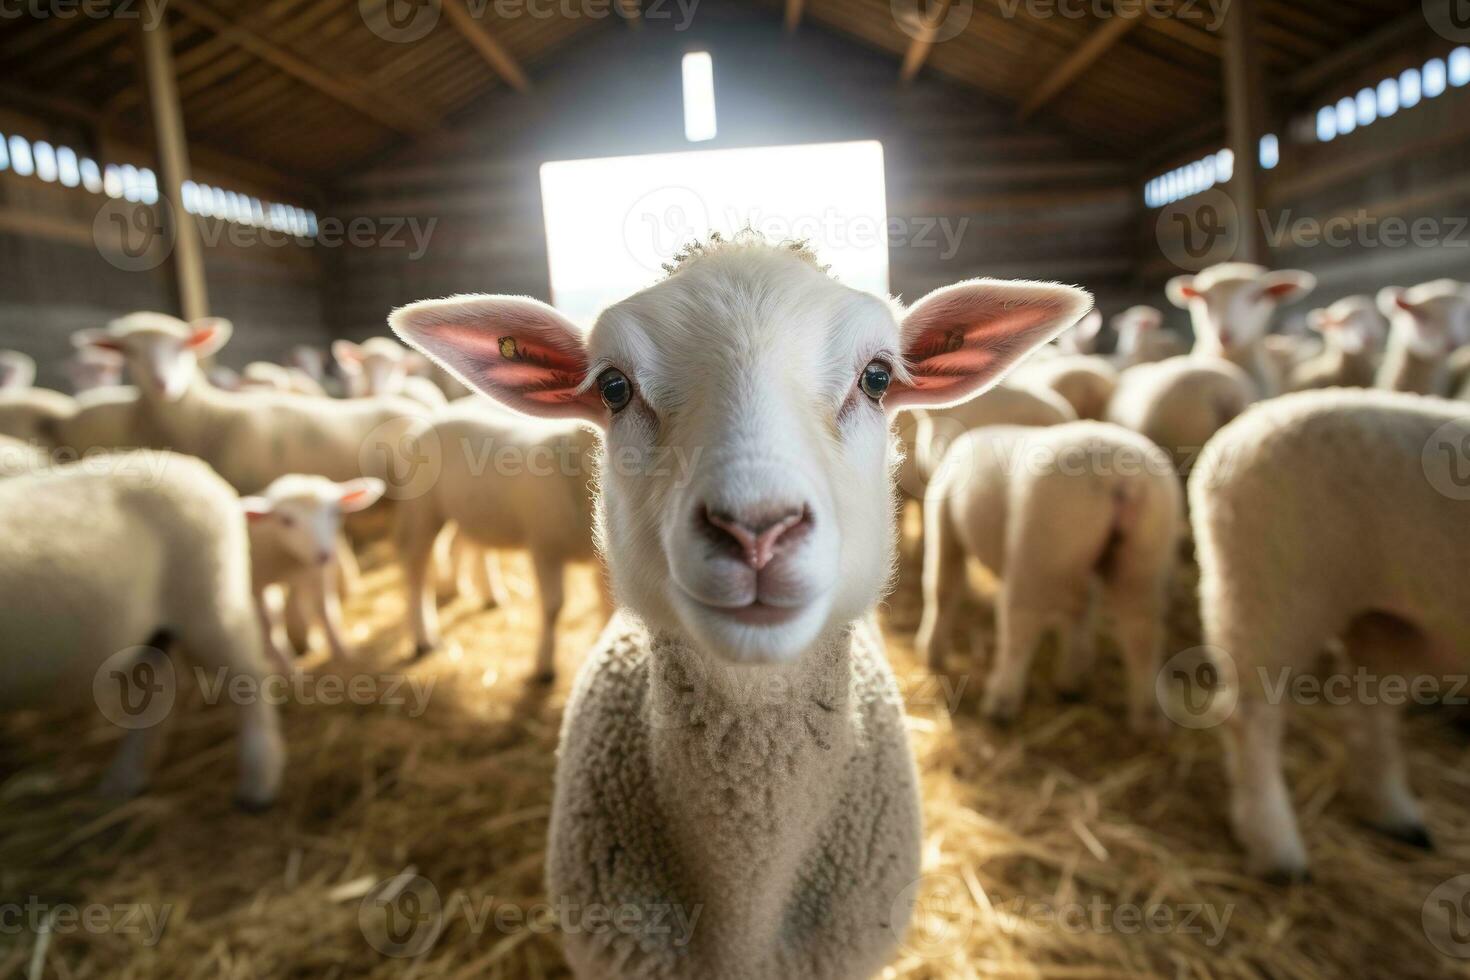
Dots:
pixel 612 223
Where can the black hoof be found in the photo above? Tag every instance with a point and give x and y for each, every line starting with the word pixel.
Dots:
pixel 1286 877
pixel 544 677
pixel 1414 835
pixel 253 807
pixel 1071 696
pixel 422 650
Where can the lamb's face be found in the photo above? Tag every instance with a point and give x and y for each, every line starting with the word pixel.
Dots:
pixel 162 352
pixel 1231 305
pixel 1431 317
pixel 303 514
pixel 93 368
pixel 1352 324
pixel 747 497
pixel 378 365
pixel 1134 324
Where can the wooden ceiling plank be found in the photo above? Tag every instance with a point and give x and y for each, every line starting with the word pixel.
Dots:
pixel 1094 46
pixel 925 34
pixel 480 38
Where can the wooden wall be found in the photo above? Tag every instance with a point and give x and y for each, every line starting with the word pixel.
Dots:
pixel 1036 204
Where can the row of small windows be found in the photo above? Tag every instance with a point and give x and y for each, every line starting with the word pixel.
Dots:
pixel 62 165
pixel 1404 91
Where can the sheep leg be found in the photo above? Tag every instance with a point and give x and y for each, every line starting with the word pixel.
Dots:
pixel 551 587
pixel 128 773
pixel 329 610
pixel 451 550
pixel 1140 636
pixel 1260 804
pixel 1076 657
pixel 1378 779
pixel 943 584
pixel 478 571
pixel 298 618
pixel 349 572
pixel 270 628
pixel 418 529
pixel 1021 631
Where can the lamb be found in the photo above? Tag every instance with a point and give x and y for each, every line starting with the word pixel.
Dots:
pixel 92 367
pixel 506 482
pixel 1351 330
pixel 251 438
pixel 735 744
pixel 295 527
pixel 1180 403
pixel 17 370
pixel 1086 381
pixel 1141 339
pixel 1297 547
pixel 31 414
pixel 1426 322
pixel 110 418
pixel 95 564
pixel 274 377
pixel 1058 514
pixel 379 366
pixel 1083 338
pixel 1231 306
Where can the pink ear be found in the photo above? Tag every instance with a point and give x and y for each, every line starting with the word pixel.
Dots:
pixel 360 494
pixel 962 339
pixel 515 349
pixel 255 508
pixel 208 334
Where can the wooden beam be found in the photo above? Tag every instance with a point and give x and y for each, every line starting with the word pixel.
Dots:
pixel 925 34
pixel 1245 121
pixel 475 32
pixel 794 10
pixel 375 106
pixel 1350 56
pixel 173 167
pixel 1078 61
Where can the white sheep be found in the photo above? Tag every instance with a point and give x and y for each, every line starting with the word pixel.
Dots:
pixel 115 417
pixel 1180 403
pixel 1426 322
pixel 1231 305
pixel 295 526
pixel 17 370
pixel 251 438
pixel 275 377
pixel 93 367
pixel 380 366
pixel 1352 332
pixel 32 414
pixel 150 552
pixel 1086 381
pixel 1141 339
pixel 1334 514
pixel 734 747
pixel 505 481
pixel 1059 514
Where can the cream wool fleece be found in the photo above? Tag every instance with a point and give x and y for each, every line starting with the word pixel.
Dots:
pixel 772 810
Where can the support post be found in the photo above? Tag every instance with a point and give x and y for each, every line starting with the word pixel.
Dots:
pixel 1245 122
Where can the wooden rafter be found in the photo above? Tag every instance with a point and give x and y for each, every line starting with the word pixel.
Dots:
pixel 1075 63
pixel 923 41
pixel 348 92
pixel 480 38
pixel 794 10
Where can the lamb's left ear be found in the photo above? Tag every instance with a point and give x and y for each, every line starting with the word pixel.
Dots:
pixel 255 508
pixel 208 334
pixel 1288 285
pixel 360 494
pixel 515 349
pixel 962 339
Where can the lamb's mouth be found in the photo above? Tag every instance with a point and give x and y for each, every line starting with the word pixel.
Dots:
pixel 753 613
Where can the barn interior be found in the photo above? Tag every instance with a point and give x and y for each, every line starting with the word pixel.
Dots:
pixel 301 168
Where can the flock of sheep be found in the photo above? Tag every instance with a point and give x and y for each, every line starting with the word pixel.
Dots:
pixel 736 741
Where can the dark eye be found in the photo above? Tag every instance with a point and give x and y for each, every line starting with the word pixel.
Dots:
pixel 287 520
pixel 616 389
pixel 874 380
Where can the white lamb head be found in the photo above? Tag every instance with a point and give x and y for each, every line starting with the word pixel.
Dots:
pixel 1134 323
pixel 162 352
pixel 1231 304
pixel 17 370
pixel 1352 324
pixel 1432 316
pixel 378 365
pixel 745 401
pixel 303 514
pixel 93 367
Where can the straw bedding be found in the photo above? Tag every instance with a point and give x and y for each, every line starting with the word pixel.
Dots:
pixel 1063 847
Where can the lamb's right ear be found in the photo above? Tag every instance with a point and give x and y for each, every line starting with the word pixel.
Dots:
pixel 1180 291
pixel 1391 300
pixel 208 334
pixel 962 339
pixel 515 349
pixel 96 337
pixel 255 508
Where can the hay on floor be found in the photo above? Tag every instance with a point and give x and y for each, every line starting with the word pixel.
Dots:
pixel 1064 847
